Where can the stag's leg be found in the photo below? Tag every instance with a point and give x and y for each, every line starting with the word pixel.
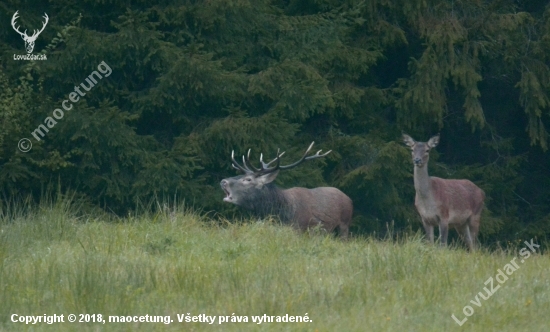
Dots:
pixel 344 231
pixel 465 233
pixel 443 232
pixel 429 232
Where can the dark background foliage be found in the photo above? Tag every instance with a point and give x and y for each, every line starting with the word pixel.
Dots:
pixel 193 80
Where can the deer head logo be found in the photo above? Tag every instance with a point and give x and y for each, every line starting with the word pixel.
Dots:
pixel 29 40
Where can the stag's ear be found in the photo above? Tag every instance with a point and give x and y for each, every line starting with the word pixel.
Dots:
pixel 267 178
pixel 432 143
pixel 409 141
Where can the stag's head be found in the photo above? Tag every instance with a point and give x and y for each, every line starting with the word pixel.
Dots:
pixel 420 150
pixel 29 40
pixel 244 190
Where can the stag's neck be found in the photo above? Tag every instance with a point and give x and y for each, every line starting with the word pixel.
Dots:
pixel 271 202
pixel 422 182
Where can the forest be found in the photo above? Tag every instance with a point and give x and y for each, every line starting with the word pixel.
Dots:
pixel 181 84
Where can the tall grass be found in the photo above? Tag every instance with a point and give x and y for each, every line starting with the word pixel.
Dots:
pixel 54 260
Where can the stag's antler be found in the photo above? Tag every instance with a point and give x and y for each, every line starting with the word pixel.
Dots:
pixel 246 167
pixel 265 166
pixel 315 156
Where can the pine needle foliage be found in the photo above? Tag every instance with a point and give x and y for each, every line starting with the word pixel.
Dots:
pixel 193 80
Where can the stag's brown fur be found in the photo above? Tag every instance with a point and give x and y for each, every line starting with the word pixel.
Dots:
pixel 304 208
pixel 324 206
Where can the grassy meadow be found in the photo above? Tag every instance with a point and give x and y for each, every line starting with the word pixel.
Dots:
pixel 55 261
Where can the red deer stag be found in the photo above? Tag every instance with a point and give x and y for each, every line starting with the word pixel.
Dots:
pixel 442 202
pixel 304 208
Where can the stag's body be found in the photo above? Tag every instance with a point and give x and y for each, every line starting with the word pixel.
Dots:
pixel 304 208
pixel 444 203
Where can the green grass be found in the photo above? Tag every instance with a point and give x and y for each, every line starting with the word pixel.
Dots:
pixel 52 262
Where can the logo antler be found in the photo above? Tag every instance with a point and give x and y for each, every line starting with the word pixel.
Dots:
pixel 29 40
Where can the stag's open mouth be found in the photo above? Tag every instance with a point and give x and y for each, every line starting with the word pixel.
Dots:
pixel 228 197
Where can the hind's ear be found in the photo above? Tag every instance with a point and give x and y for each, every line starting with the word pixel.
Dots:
pixel 409 141
pixel 432 143
pixel 267 178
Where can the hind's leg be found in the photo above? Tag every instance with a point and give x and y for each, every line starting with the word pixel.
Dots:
pixel 443 232
pixel 474 227
pixel 466 235
pixel 429 231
